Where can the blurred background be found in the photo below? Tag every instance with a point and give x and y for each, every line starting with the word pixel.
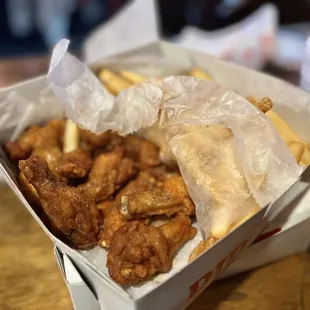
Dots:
pixel 268 37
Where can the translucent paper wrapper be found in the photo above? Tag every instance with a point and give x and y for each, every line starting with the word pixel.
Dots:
pixel 18 112
pixel 231 158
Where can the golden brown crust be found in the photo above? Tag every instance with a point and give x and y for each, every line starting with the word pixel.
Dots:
pixel 72 216
pixel 170 199
pixel 109 172
pixel 138 252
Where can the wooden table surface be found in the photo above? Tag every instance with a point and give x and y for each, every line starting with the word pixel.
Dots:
pixel 30 278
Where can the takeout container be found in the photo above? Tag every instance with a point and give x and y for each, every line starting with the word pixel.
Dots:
pixel 184 282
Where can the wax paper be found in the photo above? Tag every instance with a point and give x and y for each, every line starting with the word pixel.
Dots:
pixel 231 158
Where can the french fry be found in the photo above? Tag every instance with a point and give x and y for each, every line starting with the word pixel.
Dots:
pixel 297 149
pixel 198 73
pixel 132 77
pixel 285 131
pixel 305 159
pixel 265 104
pixel 113 82
pixel 252 99
pixel 244 218
pixel 71 137
pixel 202 247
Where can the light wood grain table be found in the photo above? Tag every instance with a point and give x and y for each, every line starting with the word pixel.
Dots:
pixel 30 278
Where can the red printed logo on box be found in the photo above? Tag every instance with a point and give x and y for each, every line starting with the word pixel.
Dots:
pixel 206 280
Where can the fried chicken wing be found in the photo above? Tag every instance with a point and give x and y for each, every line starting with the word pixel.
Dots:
pixel 29 191
pixel 162 173
pixel 73 216
pixel 36 137
pixel 94 140
pixel 112 222
pixel 115 141
pixel 75 164
pixel 142 151
pixel 178 231
pixel 138 252
pixel 113 219
pixel 170 199
pixel 110 171
pixel 52 155
pixel 105 207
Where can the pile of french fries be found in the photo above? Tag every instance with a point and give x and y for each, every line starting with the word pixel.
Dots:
pixel 117 81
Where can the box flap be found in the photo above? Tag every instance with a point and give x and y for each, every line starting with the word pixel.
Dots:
pixel 81 296
pixel 135 25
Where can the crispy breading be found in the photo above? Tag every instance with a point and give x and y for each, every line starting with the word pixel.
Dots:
pixel 72 216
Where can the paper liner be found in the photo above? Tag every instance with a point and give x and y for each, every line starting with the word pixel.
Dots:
pixel 261 165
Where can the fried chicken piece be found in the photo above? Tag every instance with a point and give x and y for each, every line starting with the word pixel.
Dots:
pixel 115 141
pixel 110 171
pixel 59 126
pixel 94 140
pixel 162 173
pixel 75 164
pixel 35 137
pixel 28 190
pixel 202 247
pixel 113 219
pixel 138 252
pixel 105 207
pixel 170 199
pixel 178 231
pixel 52 155
pixel 112 222
pixel 142 151
pixel 73 216
pixel 157 136
pixel 264 105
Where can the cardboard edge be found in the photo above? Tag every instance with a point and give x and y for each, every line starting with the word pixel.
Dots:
pixel 81 295
pixel 283 234
pixel 12 87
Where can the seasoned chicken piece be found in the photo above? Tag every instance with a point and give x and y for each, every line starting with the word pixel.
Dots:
pixel 35 137
pixel 29 191
pixel 59 126
pixel 75 164
pixel 178 231
pixel 162 173
pixel 111 224
pixel 52 155
pixel 138 252
pixel 105 207
pixel 115 141
pixel 73 216
pixel 113 219
pixel 142 151
pixel 156 135
pixel 94 140
pixel 110 171
pixel 170 199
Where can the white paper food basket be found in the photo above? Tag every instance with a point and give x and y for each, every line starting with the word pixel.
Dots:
pixel 90 287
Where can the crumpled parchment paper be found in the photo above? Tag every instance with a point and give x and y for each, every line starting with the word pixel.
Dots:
pixel 230 156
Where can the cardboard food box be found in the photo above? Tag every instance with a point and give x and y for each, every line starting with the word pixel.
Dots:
pixel 90 286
